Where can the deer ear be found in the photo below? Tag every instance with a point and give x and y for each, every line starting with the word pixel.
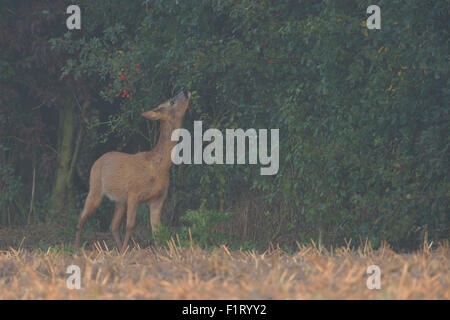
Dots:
pixel 153 115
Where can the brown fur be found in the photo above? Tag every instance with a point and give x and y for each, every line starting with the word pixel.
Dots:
pixel 130 179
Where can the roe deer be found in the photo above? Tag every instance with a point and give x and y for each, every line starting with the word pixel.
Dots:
pixel 129 179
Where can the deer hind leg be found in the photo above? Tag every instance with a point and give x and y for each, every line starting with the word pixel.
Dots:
pixel 132 206
pixel 119 211
pixel 93 201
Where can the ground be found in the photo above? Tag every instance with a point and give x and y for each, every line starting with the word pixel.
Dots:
pixel 176 272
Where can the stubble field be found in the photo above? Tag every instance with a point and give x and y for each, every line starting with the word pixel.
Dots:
pixel 174 272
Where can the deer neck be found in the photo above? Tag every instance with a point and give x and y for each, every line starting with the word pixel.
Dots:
pixel 160 155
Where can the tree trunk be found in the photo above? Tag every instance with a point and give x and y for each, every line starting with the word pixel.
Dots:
pixel 69 140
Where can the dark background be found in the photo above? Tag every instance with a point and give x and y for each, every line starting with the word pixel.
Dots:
pixel 363 116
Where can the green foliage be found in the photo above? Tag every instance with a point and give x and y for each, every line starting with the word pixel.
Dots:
pixel 63 248
pixel 11 188
pixel 163 235
pixel 362 157
pixel 363 115
pixel 203 227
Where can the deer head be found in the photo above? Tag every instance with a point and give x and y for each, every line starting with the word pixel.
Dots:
pixel 172 110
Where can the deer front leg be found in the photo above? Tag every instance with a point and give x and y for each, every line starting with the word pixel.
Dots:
pixel 132 206
pixel 119 210
pixel 155 214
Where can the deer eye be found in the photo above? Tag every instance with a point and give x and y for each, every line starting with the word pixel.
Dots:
pixel 171 102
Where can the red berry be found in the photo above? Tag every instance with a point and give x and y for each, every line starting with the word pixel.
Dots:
pixel 122 77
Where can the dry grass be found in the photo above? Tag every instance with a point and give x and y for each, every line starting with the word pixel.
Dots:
pixel 193 273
